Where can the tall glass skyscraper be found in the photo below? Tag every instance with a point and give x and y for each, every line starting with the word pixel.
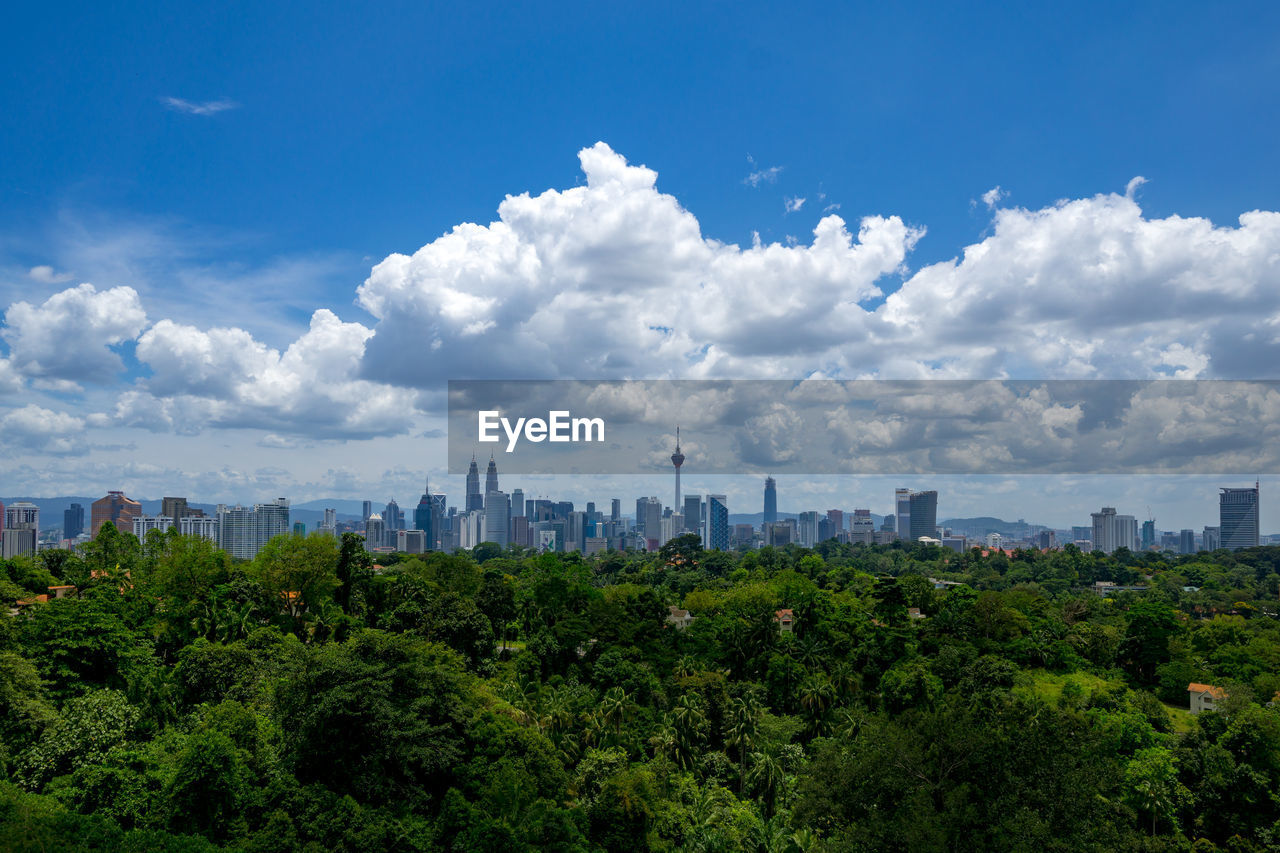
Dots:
pixel 1238 518
pixel 717 537
pixel 923 509
pixel 770 501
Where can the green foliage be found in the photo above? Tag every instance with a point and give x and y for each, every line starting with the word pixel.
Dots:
pixel 504 701
pixel 88 728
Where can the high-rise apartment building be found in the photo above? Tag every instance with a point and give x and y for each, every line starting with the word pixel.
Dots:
pixel 1127 532
pixel 21 523
pixel 242 531
pixel 144 524
pixel 1103 531
pixel 807 528
pixel 199 525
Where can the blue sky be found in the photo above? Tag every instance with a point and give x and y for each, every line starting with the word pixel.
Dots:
pixel 245 166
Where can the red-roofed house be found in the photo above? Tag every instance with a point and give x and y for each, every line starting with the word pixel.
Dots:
pixel 1205 697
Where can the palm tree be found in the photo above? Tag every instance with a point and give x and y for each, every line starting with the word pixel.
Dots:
pixel 767 777
pixel 664 743
pixel 817 694
pixel 690 724
pixel 686 666
pixel 772 836
pixel 743 726
pixel 846 679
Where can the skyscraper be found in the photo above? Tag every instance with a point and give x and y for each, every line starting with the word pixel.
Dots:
pixel 116 508
pixel 375 532
pixel 1104 529
pixel 649 519
pixel 1127 532
pixel 243 531
pixel 677 459
pixel 517 503
pixel 837 520
pixel 693 513
pixel 863 527
pixel 366 510
pixel 474 499
pixel 717 535
pixel 615 509
pixel 21 522
pixel 497 518
pixel 174 508
pixel 807 528
pixel 491 476
pixel 923 514
pixel 1238 518
pixel 393 517
pixel 1148 534
pixel 770 501
pixel 902 512
pixel 72 521
pixel 1186 541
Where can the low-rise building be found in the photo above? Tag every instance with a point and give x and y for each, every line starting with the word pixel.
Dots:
pixel 679 617
pixel 1204 697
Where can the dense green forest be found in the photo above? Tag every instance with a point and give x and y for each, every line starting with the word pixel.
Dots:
pixel 178 700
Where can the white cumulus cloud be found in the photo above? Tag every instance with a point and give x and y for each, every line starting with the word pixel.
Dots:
pixel 616 279
pixel 35 428
pixel 223 377
pixel 68 336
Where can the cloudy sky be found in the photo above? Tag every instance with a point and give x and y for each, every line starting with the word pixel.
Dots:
pixel 242 249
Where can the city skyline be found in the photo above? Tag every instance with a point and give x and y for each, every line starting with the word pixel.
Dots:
pixel 901 503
